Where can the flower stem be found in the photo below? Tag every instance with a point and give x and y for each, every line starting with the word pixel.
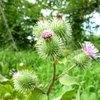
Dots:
pixel 39 90
pixel 53 77
pixel 64 72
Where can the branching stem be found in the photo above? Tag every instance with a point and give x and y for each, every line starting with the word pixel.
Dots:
pixel 39 90
pixel 65 72
pixel 54 78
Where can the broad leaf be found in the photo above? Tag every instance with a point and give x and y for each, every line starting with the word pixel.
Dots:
pixel 93 96
pixel 2 78
pixel 89 95
pixel 62 90
pixel 68 80
pixel 68 95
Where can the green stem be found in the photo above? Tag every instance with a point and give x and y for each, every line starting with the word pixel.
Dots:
pixel 39 90
pixel 53 77
pixel 64 72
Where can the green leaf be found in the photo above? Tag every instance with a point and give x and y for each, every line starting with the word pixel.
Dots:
pixel 41 97
pixel 77 96
pixel 61 91
pixel 37 95
pixel 84 95
pixel 5 89
pixel 89 95
pixel 2 78
pixel 2 89
pixel 33 94
pixel 63 61
pixel 68 95
pixel 68 80
pixel 8 88
pixel 93 96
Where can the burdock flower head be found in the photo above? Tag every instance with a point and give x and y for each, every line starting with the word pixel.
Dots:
pixel 90 50
pixel 47 34
pixel 24 80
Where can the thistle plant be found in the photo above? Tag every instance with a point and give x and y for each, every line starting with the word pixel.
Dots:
pixel 52 37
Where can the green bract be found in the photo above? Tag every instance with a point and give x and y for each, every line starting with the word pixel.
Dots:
pixel 81 59
pixel 40 27
pixel 25 81
pixel 50 48
pixel 62 29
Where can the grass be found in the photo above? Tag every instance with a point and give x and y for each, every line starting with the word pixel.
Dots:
pixel 90 78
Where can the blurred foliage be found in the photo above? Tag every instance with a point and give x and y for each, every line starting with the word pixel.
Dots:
pixel 21 15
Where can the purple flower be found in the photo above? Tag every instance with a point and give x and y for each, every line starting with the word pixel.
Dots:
pixel 90 49
pixel 15 74
pixel 47 34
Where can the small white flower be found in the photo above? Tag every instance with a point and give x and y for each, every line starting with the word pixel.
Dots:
pixel 29 37
pixel 90 49
pixel 21 64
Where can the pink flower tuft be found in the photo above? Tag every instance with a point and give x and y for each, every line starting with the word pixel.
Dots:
pixel 90 50
pixel 47 34
pixel 15 74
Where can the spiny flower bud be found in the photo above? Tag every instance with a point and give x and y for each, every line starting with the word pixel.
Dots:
pixel 24 80
pixel 50 48
pixel 40 27
pixel 47 34
pixel 80 59
pixel 62 29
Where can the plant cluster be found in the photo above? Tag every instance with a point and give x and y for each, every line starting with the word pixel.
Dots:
pixel 52 37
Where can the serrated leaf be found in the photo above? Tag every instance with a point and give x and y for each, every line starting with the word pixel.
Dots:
pixel 68 80
pixel 2 78
pixel 68 95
